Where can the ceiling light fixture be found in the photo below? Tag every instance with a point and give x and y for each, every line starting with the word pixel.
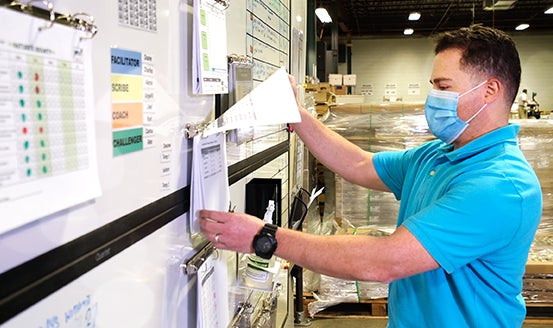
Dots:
pixel 522 27
pixel 408 31
pixel 499 4
pixel 549 11
pixel 323 15
pixel 414 16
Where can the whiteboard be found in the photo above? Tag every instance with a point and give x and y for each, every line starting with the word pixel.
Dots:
pixel 138 180
pixel 134 179
pixel 125 291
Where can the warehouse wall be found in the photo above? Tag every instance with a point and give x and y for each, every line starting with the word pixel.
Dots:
pixel 379 64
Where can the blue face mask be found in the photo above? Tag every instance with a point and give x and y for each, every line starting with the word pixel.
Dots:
pixel 440 110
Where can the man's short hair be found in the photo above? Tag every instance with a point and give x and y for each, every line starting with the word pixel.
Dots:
pixel 487 51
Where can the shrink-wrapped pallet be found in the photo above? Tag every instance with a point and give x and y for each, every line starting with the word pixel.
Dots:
pixel 401 126
pixel 536 141
pixel 375 128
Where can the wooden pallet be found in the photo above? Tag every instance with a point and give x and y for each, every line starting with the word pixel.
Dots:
pixel 538 312
pixel 373 308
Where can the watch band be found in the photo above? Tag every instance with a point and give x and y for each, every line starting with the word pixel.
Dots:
pixel 269 228
pixel 265 242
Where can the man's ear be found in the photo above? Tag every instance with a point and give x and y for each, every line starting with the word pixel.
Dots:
pixel 494 88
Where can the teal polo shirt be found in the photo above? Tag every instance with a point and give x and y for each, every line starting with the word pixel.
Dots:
pixel 475 210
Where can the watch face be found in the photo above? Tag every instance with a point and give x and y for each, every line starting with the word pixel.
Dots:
pixel 265 244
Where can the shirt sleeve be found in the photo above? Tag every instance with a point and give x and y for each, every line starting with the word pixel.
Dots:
pixel 390 169
pixel 393 167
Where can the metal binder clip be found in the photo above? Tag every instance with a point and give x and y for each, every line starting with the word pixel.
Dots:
pixel 84 25
pixel 49 6
pixel 242 318
pixel 193 265
pixel 21 5
pixel 241 59
pixel 191 130
pixel 224 4
pixel 218 6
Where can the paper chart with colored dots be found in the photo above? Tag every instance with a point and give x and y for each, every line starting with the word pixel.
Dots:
pixel 47 151
pixel 212 297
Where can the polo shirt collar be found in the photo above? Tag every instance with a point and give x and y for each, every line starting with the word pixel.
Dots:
pixel 504 134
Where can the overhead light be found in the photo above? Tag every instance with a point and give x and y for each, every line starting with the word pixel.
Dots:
pixel 323 15
pixel 414 16
pixel 549 11
pixel 522 27
pixel 408 31
pixel 498 4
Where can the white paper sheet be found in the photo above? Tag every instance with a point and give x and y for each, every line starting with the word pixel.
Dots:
pixel 209 188
pixel 209 48
pixel 47 141
pixel 212 288
pixel 271 102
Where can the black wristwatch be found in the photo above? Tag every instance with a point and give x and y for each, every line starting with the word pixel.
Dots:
pixel 265 243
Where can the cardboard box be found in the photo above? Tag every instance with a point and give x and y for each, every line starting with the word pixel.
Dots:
pixel 349 99
pixel 321 109
pixel 533 267
pixel 335 79
pixel 350 79
pixel 339 89
pixel 311 87
pixel 321 97
pixel 324 86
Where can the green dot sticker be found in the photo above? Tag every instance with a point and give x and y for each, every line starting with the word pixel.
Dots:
pixel 23 117
pixel 39 116
pixel 22 102
pixel 43 156
pixel 21 89
pixel 26 144
pixel 27 159
pixel 42 143
pixel 20 74
pixel 38 104
pixel 29 172
pixel 44 169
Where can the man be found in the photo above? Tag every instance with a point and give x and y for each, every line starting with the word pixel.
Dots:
pixel 469 202
pixel 523 104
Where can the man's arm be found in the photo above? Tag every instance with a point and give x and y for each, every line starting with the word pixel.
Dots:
pixel 337 153
pixel 349 257
pixel 364 258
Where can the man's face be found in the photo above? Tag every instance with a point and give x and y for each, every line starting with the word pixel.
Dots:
pixel 448 76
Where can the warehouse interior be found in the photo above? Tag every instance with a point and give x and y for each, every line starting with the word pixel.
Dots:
pixel 370 40
pixel 120 121
pixel 370 19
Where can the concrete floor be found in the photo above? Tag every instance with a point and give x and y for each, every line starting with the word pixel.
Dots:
pixel 368 322
pixel 348 323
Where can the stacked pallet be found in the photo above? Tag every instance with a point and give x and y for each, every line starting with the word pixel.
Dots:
pixel 322 97
pixel 400 126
